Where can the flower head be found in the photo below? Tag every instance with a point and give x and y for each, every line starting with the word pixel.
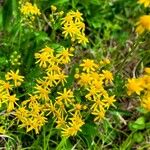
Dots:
pixel 15 77
pixel 134 85
pixel 89 65
pixel 143 24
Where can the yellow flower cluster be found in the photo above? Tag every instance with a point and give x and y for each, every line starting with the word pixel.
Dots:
pixel 145 2
pixel 29 13
pixel 28 9
pixel 68 113
pixel 94 80
pixel 74 27
pixel 141 86
pixel 144 21
pixel 12 80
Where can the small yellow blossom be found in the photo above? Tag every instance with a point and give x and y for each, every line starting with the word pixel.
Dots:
pixel 134 85
pixel 66 96
pixel 109 101
pixel 42 92
pixel 64 56
pixel 84 80
pixel 147 70
pixel 108 76
pixel 146 102
pixel 143 24
pixel 11 102
pixel 89 65
pixel 29 9
pixel 43 59
pixel 15 77
pixel 99 114
pixel 73 127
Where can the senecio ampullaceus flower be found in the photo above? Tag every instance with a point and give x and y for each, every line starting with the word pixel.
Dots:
pixel 143 24
pixel 141 86
pixel 67 112
pixel 50 97
pixel 29 12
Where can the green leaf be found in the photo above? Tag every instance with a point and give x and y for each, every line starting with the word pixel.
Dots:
pixel 139 124
pixel 138 137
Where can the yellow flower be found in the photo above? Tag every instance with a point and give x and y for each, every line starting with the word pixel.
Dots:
pixel 74 27
pixel 146 82
pixel 36 123
pixel 85 79
pixel 93 92
pixel 61 122
pixel 73 127
pixel 64 56
pixel 43 59
pixel 51 79
pixel 42 92
pixel 22 114
pixel 134 85
pixel 68 19
pixel 109 101
pixel 66 96
pixel 82 39
pixel 77 15
pixel 70 30
pixel 54 69
pixel 62 78
pixel 15 77
pixel 145 2
pixel 29 9
pixel 89 65
pixel 107 76
pixel 147 70
pixel 97 104
pixel 3 97
pixel 11 102
pixel 145 102
pixel 143 24
pixel 99 114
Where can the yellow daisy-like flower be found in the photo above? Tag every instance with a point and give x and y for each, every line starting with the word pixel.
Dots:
pixel 134 85
pixel 11 102
pixel 15 77
pixel 42 92
pixel 89 65
pixel 74 126
pixel 107 76
pixel 145 2
pixel 29 9
pixel 66 96
pixel 143 24
pixel 64 56
pixel 43 59
pixel 99 114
